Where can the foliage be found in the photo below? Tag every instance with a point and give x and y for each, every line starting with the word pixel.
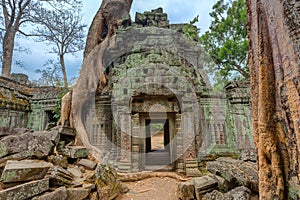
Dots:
pixel 226 41
pixel 57 109
pixel 191 31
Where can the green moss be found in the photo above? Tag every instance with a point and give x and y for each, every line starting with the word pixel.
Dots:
pixel 3 150
pixel 11 175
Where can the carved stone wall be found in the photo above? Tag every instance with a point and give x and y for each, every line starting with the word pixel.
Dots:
pixel 158 72
pixel 25 106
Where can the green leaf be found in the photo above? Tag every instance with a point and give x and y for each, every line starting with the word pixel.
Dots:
pixel 226 41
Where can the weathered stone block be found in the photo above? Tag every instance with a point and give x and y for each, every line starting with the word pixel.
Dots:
pixel 75 171
pixel 239 193
pixel 74 152
pixel 89 186
pixel 186 191
pixel 25 191
pixel 87 164
pixel 67 131
pixel 223 184
pixel 58 194
pixel 38 145
pixel 108 184
pixel 52 135
pixel 203 185
pixel 60 161
pixel 26 170
pixel 236 172
pixel 77 193
pixel 59 176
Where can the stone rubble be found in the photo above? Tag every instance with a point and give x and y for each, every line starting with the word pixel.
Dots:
pixel 46 165
pixel 236 172
pixel 238 179
pixel 25 170
pixel 239 193
pixel 26 190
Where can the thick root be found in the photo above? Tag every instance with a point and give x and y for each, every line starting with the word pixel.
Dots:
pixel 131 177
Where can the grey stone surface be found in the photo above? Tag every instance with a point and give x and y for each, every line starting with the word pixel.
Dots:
pixel 186 191
pixel 214 195
pixel 74 152
pixel 236 172
pixel 107 183
pixel 203 185
pixel 75 171
pixel 38 145
pixel 25 170
pixel 67 131
pixel 89 186
pixel 88 164
pixel 239 193
pixel 58 194
pixel 59 176
pixel 77 193
pixel 25 191
pixel 60 161
pixel 248 155
pixel 223 184
pixel 5 131
pixel 53 135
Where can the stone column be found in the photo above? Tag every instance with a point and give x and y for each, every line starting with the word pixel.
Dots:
pixel 125 128
pixel 189 128
pixel 179 144
pixel 135 143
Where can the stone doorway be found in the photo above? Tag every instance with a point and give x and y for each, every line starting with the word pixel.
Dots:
pixel 157 142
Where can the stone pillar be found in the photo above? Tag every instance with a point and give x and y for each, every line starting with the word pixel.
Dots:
pixel 179 145
pixel 189 128
pixel 136 160
pixel 125 154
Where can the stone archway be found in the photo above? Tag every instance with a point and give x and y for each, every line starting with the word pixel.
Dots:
pixel 154 62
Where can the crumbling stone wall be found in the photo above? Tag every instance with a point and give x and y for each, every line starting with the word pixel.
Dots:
pixel 274 54
pixel 43 101
pixel 151 65
pixel 14 104
pixel 22 105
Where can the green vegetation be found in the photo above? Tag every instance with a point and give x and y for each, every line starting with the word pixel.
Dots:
pixel 57 108
pixel 226 41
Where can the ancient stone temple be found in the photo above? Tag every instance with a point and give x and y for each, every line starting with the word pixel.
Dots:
pixel 25 105
pixel 158 109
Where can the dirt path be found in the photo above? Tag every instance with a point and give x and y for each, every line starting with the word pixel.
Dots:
pixel 151 189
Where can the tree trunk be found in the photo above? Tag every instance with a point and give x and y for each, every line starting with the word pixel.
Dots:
pixel 105 22
pixel 274 40
pixel 7 48
pixel 102 29
pixel 63 69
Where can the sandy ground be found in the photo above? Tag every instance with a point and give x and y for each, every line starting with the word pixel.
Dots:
pixel 151 189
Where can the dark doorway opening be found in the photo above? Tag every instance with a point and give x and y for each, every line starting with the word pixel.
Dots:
pixel 157 142
pixel 50 120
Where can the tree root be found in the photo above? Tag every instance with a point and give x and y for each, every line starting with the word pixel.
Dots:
pixel 132 177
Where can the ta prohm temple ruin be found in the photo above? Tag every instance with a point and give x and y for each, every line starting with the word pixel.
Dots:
pixel 158 110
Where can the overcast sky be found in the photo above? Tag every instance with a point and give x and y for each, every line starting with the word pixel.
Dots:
pixel 179 11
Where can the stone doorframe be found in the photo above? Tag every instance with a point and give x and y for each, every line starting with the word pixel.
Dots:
pixel 139 138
